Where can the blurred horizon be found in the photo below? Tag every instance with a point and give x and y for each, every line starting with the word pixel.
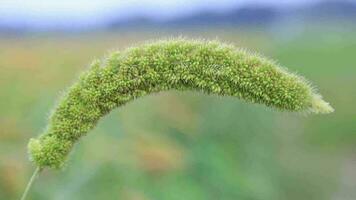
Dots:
pixel 69 16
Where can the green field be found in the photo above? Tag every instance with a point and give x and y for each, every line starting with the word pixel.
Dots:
pixel 183 146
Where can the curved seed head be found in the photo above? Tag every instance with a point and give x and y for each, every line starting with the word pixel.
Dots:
pixel 209 67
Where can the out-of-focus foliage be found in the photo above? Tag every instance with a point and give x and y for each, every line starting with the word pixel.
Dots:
pixel 183 145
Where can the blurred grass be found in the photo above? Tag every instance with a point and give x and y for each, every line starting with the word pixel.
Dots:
pixel 183 145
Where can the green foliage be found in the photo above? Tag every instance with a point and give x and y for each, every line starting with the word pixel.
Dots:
pixel 209 67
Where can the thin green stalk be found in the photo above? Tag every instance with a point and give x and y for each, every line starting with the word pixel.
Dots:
pixel 30 183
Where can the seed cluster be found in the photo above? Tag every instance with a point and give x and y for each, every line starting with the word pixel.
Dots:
pixel 178 64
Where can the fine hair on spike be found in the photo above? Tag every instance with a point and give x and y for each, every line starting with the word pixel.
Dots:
pixel 179 64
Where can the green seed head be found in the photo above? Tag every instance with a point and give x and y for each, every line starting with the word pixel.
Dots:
pixel 209 67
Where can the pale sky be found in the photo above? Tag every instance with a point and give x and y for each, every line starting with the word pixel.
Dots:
pixel 91 12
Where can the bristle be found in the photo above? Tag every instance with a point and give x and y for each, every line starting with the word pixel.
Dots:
pixel 175 64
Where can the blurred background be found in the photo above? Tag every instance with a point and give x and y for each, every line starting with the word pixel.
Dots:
pixel 181 146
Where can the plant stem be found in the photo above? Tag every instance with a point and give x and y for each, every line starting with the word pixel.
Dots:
pixel 30 183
